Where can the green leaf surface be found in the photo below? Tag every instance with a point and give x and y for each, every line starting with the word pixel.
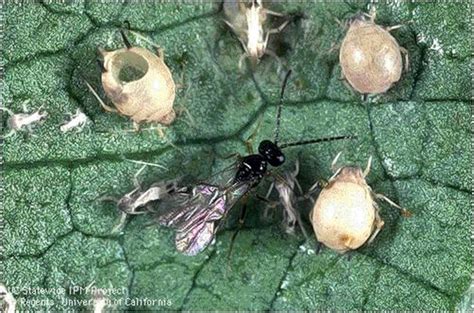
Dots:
pixel 58 230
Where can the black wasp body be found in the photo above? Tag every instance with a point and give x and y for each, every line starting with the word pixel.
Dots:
pixel 252 168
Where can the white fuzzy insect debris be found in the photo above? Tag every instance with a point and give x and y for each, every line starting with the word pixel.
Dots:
pixel 9 302
pixel 306 250
pixel 389 163
pixel 132 202
pixel 77 121
pixel 287 197
pixel 256 43
pixel 286 191
pixel 421 38
pixel 284 284
pixel 249 27
pixel 436 46
pixel 18 121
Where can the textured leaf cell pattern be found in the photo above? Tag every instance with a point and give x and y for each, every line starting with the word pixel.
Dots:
pixel 57 232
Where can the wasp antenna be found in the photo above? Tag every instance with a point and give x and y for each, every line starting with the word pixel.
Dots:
pixel 280 105
pixel 125 39
pixel 311 141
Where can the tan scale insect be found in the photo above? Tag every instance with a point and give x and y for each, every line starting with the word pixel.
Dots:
pixel 370 58
pixel 147 94
pixel 346 214
pixel 247 22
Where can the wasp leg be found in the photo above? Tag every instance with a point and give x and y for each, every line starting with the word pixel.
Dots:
pixel 233 155
pixel 272 185
pixel 243 212
pixel 269 204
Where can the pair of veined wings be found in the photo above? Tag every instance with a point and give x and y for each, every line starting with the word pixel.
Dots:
pixel 196 214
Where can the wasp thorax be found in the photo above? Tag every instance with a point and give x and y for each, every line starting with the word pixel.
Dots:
pixel 139 84
pixel 345 214
pixel 370 57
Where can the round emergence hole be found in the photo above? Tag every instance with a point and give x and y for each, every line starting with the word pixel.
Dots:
pixel 129 66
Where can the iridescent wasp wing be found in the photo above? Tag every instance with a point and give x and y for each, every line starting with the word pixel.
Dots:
pixel 197 213
pixel 197 220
